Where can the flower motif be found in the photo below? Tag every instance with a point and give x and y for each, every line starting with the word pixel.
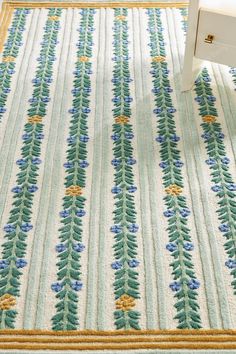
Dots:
pixel 232 187
pixel 171 110
pixel 80 212
pixel 185 212
pixel 21 162
pixel 26 227
pixel 206 136
pixel 209 119
pixel 120 18
pixel 122 120
pixel 64 213
pixel 225 161
pixel 171 247
pixel 84 138
pixel 169 213
pixel 16 189
pixel 7 301
pixel 224 228
pixel 157 110
pixel 4 264
pixel 83 59
pixel 133 228
pixel 133 263
pixel 132 189
pixel 160 139
pixel 231 264
pixel 35 119
pixel 74 191
pixel 32 188
pixel 36 161
pixel 79 247
pixel 211 98
pixel 189 246
pixel 116 190
pixel 175 286
pixel 26 136
pixel 220 135
pixel 216 188
pixel 71 139
pixel 116 162
pixel 56 287
pixel 115 137
pixel 211 162
pixel 173 190
pixel 158 59
pixel 39 136
pixel 163 164
pixel 21 263
pixel 129 135
pixel 53 18
pixel 178 163
pixel 86 110
pixel 174 138
pixel 60 247
pixel 125 303
pixel 76 285
pixel 83 164
pixel 116 229
pixel 9 228
pixel 8 59
pixel 68 164
pixel 116 265
pixel 193 284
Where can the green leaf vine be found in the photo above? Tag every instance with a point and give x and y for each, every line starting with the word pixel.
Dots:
pixel 19 223
pixel 69 250
pixel 180 245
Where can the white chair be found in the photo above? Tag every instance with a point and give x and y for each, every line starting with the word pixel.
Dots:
pixel 211 36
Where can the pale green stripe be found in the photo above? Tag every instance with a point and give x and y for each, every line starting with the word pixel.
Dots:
pixel 143 153
pixel 106 119
pixel 191 142
pixel 16 114
pixel 155 200
pixel 51 183
pixel 94 213
pixel 37 258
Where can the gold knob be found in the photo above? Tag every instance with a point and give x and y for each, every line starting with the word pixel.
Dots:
pixel 209 39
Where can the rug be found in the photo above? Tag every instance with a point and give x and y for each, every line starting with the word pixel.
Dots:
pixel 117 191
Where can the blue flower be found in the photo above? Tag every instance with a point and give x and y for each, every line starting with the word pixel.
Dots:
pixel 231 264
pixel 4 264
pixel 193 284
pixel 116 100
pixel 131 161
pixel 73 110
pixel 116 229
pixel 75 91
pixel 68 164
pixel 116 162
pixel 84 138
pixel 115 137
pixel 133 228
pixel 185 212
pixel 232 71
pixel 6 90
pixel 211 162
pixel 232 187
pixel 225 161
pixel 206 136
pixel 2 110
pixel 16 189
pixel 116 190
pixel 171 110
pixel 199 99
pixel 48 80
pixel 11 71
pixel 84 164
pixel 129 135
pixel 80 212
pixel 115 80
pixel 60 247
pixel 45 99
pixel 86 110
pixel 189 246
pixel 36 161
pixel 211 98
pixel 175 286
pixel 157 110
pixel 116 265
pixel 26 227
pixel 171 247
pixel 71 139
pixel 133 263
pixel 168 213
pixel 132 189
pixel 216 188
pixel 64 213
pixel 76 285
pixel 178 163
pixel 157 90
pixel 36 81
pixel 224 228
pixel 39 136
pixel 79 247
pixel 163 164
pixel 56 287
pixel 21 162
pixel 174 138
pixel 9 228
pixel 21 263
pixel 206 79
pixel 33 100
pixel 168 89
pixel 32 188
pixel 160 139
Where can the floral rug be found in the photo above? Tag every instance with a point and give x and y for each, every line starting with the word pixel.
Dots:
pixel 117 191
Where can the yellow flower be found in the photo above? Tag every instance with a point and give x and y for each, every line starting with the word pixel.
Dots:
pixel 35 119
pixel 121 18
pixel 125 303
pixel 8 59
pixel 74 191
pixel 122 120
pixel 83 59
pixel 209 119
pixel 53 18
pixel 174 190
pixel 158 59
pixel 7 301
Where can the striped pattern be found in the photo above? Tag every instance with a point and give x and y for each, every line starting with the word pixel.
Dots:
pixel 108 216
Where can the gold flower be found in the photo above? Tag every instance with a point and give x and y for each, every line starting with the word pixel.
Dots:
pixel 209 119
pixel 8 59
pixel 84 59
pixel 158 59
pixel 74 191
pixel 53 18
pixel 121 18
pixel 35 119
pixel 125 303
pixel 174 190
pixel 122 120
pixel 7 301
